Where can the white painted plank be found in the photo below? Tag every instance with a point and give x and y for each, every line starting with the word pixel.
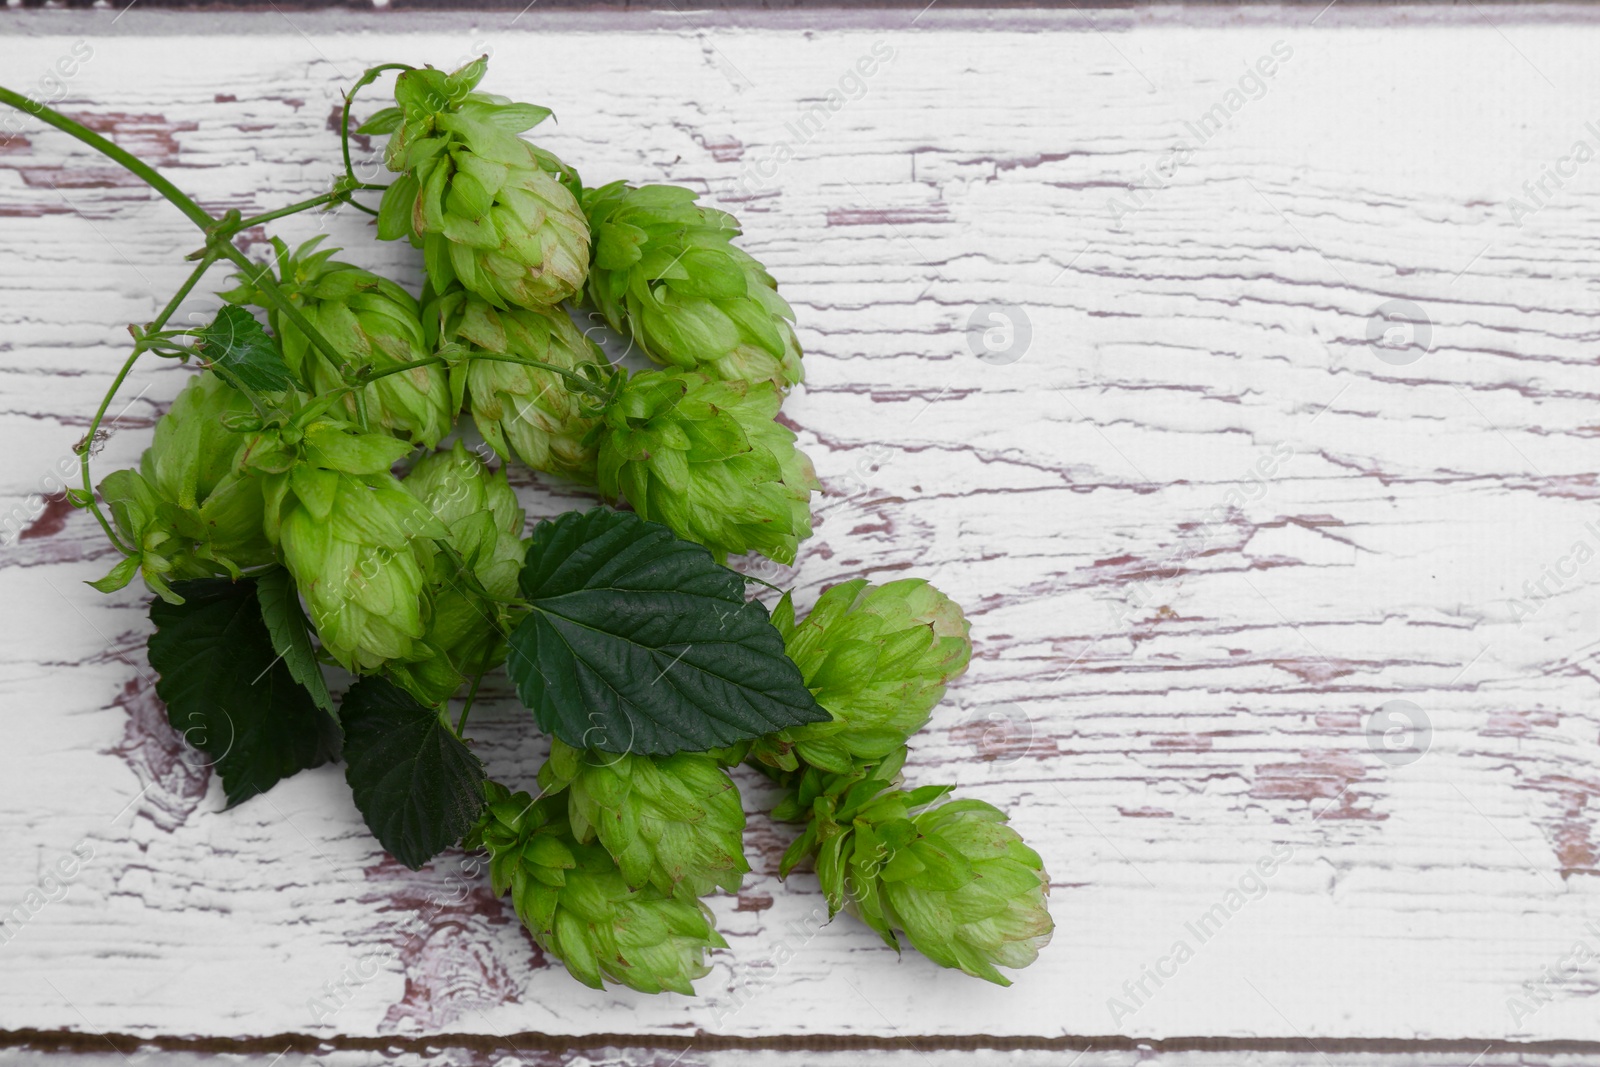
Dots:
pixel 1171 733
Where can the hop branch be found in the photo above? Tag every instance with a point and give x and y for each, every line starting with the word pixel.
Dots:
pixel 300 507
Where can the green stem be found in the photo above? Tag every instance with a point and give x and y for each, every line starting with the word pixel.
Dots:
pixel 249 394
pixel 338 195
pixel 435 361
pixel 327 400
pixel 50 116
pixel 576 379
pixel 280 300
pixel 367 78
pixel 163 346
pixel 304 205
pixel 430 361
pixel 183 291
pixel 219 234
pixel 87 446
pixel 219 239
pixel 473 586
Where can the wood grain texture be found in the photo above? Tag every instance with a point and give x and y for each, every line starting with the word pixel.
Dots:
pixel 1177 660
pixel 448 1054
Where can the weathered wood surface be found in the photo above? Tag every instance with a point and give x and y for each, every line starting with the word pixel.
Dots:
pixel 1177 660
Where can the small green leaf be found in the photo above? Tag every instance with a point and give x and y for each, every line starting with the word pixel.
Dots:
pixel 418 787
pixel 927 794
pixel 639 642
pixel 466 79
pixel 385 121
pixel 118 576
pixel 515 118
pixel 617 245
pixel 228 693
pixel 291 632
pixel 237 344
pixel 331 446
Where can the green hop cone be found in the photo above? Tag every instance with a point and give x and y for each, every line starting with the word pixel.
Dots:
pixel 374 325
pixel 667 272
pixel 878 658
pixel 194 450
pixel 358 545
pixel 462 636
pixel 522 411
pixel 707 459
pixel 574 901
pixel 480 510
pixel 671 822
pixel 487 208
pixel 188 512
pixel 950 875
pixel 967 891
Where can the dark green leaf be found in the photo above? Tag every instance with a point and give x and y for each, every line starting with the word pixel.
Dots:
pixel 419 788
pixel 291 632
pixel 638 641
pixel 237 344
pixel 229 694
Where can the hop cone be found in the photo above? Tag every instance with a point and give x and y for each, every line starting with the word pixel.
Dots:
pixel 188 512
pixel 878 658
pixel 193 450
pixel 707 459
pixel 522 410
pixel 487 209
pixel 959 883
pixel 967 891
pixel 668 272
pixel 576 904
pixel 357 543
pixel 671 822
pixel 462 636
pixel 373 324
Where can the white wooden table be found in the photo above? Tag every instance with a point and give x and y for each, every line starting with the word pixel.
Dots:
pixel 1178 662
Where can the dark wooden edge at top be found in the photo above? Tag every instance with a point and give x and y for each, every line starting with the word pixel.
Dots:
pixel 142 18
pixel 684 7
pixel 650 5
pixel 432 1044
